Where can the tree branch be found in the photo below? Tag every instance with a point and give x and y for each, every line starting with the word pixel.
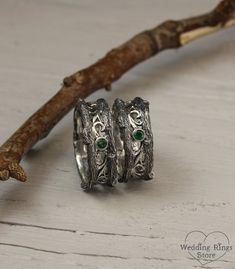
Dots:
pixel 168 35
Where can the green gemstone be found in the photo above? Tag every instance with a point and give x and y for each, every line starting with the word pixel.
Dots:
pixel 138 134
pixel 101 143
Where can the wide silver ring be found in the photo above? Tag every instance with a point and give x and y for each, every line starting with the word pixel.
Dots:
pixel 133 139
pixel 94 146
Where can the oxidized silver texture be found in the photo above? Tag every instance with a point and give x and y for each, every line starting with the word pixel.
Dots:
pixel 95 165
pixel 134 158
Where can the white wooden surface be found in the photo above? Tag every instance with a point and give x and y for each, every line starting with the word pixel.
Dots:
pixel 49 222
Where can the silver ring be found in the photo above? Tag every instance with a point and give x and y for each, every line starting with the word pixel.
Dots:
pixel 133 139
pixel 94 147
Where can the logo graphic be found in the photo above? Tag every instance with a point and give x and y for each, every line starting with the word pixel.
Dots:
pixel 206 248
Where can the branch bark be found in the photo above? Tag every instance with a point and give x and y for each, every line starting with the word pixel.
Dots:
pixel 168 35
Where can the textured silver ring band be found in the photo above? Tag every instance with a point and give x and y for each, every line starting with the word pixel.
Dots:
pixel 94 144
pixel 133 139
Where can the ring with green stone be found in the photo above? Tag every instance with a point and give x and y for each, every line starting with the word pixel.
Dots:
pixel 93 142
pixel 133 139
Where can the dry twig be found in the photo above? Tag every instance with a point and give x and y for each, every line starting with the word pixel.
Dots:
pixel 168 35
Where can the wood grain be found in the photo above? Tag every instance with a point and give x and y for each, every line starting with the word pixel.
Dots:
pixel 171 34
pixel 50 222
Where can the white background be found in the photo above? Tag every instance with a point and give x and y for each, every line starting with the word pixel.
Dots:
pixel 49 222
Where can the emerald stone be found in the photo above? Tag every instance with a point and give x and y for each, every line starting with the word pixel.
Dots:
pixel 138 134
pixel 101 143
